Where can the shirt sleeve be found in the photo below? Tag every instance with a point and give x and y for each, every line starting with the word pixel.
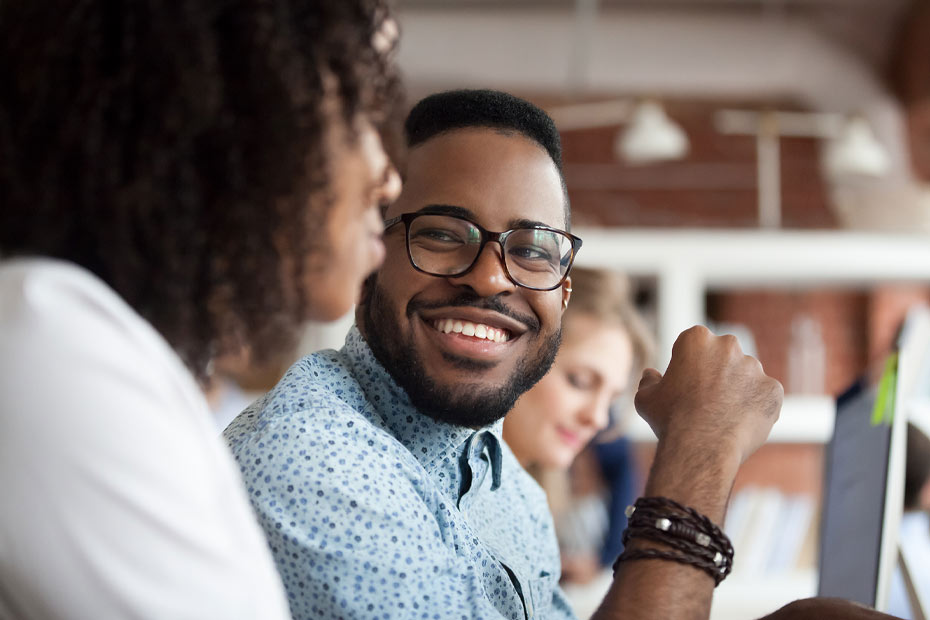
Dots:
pixel 352 531
pixel 117 500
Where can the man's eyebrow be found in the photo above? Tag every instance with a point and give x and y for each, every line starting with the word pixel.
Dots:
pixel 447 210
pixel 519 223
pixel 470 216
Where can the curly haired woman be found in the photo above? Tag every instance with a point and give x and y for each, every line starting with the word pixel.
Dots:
pixel 179 181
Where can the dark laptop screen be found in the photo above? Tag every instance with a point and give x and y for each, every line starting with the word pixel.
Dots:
pixel 854 500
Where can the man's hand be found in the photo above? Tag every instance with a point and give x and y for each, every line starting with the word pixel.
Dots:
pixel 712 399
pixel 710 411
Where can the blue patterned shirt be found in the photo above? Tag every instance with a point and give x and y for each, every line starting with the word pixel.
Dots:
pixel 375 510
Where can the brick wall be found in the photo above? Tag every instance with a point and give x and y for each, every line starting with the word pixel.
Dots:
pixel 859 328
pixel 888 306
pixel 715 186
pixel 841 314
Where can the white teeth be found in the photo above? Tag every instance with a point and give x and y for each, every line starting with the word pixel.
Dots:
pixel 475 330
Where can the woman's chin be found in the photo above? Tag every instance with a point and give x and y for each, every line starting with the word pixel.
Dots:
pixel 558 458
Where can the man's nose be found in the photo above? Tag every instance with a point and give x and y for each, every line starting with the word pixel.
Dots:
pixel 488 277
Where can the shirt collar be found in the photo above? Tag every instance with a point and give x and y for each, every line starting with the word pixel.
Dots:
pixel 437 445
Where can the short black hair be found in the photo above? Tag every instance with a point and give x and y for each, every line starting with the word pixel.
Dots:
pixel 447 111
pixel 179 151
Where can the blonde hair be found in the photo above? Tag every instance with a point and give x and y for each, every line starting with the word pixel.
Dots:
pixel 606 296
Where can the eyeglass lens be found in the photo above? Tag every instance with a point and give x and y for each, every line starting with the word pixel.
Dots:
pixel 444 245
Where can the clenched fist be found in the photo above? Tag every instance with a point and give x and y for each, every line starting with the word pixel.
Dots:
pixel 712 398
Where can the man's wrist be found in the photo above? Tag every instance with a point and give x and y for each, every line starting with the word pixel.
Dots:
pixel 699 477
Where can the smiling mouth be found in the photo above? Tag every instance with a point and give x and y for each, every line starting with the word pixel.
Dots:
pixel 478 331
pixel 569 437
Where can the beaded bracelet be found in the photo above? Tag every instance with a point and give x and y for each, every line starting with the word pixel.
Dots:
pixel 693 538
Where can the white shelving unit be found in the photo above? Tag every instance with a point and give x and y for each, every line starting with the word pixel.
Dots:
pixel 688 263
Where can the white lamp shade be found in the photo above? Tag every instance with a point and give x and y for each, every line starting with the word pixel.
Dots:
pixel 650 137
pixel 856 152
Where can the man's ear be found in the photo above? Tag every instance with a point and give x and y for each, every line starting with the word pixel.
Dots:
pixel 566 292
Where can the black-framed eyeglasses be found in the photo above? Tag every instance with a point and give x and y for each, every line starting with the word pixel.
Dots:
pixel 535 257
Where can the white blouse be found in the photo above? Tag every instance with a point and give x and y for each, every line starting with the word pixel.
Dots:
pixel 117 497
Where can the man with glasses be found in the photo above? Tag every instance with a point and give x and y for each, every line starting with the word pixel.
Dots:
pixel 378 471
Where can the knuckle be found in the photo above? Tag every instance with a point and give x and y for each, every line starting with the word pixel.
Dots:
pixel 753 364
pixel 730 344
pixel 693 338
pixel 695 332
pixel 778 390
pixel 775 397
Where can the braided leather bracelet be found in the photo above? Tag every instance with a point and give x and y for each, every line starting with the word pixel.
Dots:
pixel 693 538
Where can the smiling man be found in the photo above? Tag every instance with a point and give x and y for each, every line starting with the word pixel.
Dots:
pixel 378 471
pixel 486 324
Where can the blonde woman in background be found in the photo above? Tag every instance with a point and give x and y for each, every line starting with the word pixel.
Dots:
pixel 605 347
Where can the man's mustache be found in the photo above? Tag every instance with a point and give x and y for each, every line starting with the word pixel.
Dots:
pixel 471 300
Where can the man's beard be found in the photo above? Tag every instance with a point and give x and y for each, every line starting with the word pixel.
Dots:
pixel 470 404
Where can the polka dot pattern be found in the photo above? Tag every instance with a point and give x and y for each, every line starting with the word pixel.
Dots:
pixel 374 510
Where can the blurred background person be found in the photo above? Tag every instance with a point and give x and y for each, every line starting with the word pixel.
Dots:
pixel 605 346
pixel 180 182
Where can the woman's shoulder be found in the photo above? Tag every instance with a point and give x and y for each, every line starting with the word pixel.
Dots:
pixel 31 288
pixel 52 303
pixel 66 336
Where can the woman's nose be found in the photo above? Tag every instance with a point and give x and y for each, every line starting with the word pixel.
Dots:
pixel 596 413
pixel 390 188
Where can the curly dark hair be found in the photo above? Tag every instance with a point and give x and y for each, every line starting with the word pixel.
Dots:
pixel 177 149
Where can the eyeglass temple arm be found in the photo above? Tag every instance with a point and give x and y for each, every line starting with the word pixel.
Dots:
pixel 390 222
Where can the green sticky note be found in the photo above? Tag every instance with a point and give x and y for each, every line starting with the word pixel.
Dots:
pixel 884 402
